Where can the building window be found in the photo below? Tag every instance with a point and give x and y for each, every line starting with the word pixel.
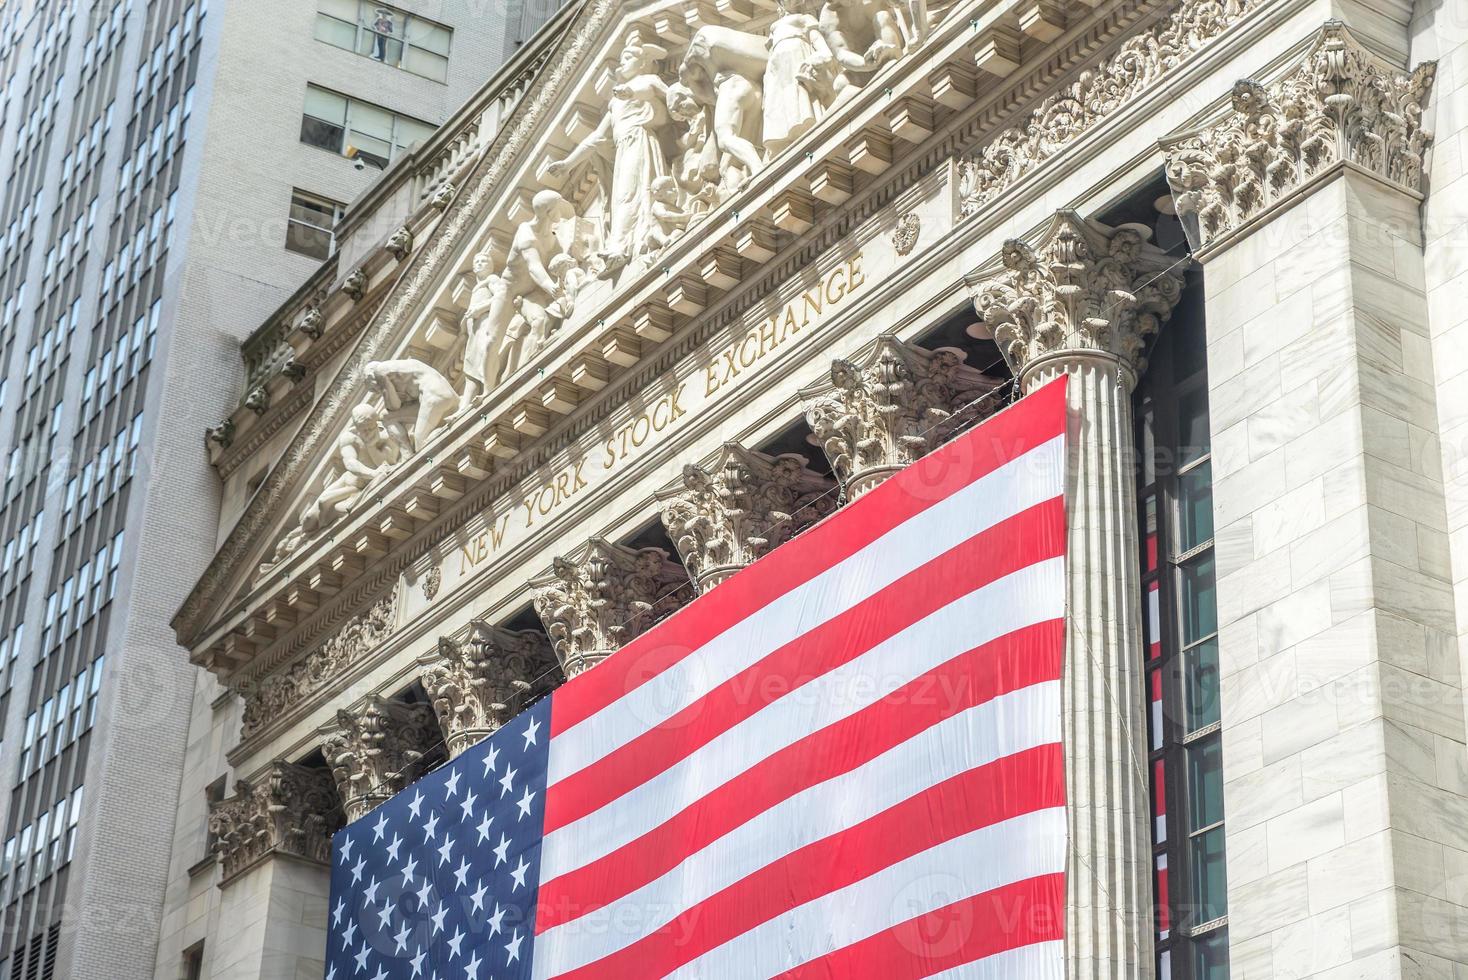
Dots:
pixel 309 229
pixel 1181 623
pixel 354 128
pixel 386 34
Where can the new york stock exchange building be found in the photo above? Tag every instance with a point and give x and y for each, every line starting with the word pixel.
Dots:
pixel 1087 378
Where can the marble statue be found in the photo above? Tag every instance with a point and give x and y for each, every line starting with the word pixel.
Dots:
pixel 865 34
pixel 800 78
pixel 410 389
pixel 672 220
pixel 528 282
pixel 478 337
pixel 696 166
pixel 630 130
pixel 723 68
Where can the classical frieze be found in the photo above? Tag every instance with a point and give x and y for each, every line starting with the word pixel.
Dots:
pixel 1079 288
pixel 377 748
pixel 1067 115
pixel 1341 105
pixel 289 810
pixel 890 405
pixel 477 683
pixel 278 693
pixel 602 597
pixel 732 511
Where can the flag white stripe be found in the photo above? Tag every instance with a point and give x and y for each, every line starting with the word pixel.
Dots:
pixel 1034 594
pixel 1037 961
pixel 991 857
pixel 1011 723
pixel 1008 490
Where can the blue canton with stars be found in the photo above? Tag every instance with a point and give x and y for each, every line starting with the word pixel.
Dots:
pixel 439 882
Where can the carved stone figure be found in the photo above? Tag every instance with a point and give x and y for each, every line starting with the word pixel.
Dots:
pixel 412 390
pixel 355 284
pixel 722 69
pixel 527 281
pixel 630 131
pixel 475 683
pixel 738 508
pixel 603 597
pixel 400 243
pixel 864 34
pixel 696 168
pixel 888 407
pixel 800 77
pixel 479 339
pixel 671 219
pixel 377 749
pixel 291 810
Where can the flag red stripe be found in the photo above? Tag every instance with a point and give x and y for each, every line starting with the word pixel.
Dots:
pixel 1010 663
pixel 1016 915
pixel 1020 541
pixel 1003 438
pixel 1015 785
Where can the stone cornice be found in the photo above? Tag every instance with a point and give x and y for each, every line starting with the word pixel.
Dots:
pixel 1341 105
pixel 1079 287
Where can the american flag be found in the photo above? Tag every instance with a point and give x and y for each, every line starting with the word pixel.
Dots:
pixel 844 761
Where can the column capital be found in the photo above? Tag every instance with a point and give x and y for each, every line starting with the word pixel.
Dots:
pixel 473 681
pixel 1340 106
pixel 1079 289
pixel 290 809
pixel 737 507
pixel 888 406
pixel 374 750
pixel 602 597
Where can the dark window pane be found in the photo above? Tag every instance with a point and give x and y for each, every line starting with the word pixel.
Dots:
pixel 1192 426
pixel 326 135
pixel 1210 956
pixel 1210 885
pixel 1195 507
pixel 1201 673
pixel 1205 782
pixel 1199 604
pixel 307 240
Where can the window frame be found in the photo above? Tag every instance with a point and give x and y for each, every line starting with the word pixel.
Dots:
pixel 365 37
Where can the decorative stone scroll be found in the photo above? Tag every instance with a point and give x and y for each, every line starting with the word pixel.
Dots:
pixel 278 693
pixel 475 682
pixel 376 749
pixel 1341 105
pixel 1081 287
pixel 1095 95
pixel 889 406
pixel 743 504
pixel 290 810
pixel 604 596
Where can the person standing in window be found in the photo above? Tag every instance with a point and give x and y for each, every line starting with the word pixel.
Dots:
pixel 382 30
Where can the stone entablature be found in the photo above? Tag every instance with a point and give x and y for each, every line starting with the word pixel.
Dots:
pixel 476 683
pixel 377 748
pixel 1341 106
pixel 738 507
pixel 289 809
pixel 889 405
pixel 603 596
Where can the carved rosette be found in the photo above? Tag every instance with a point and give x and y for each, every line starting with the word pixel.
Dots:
pixel 1081 289
pixel 290 810
pixel 1341 105
pixel 475 682
pixel 604 596
pixel 734 510
pixel 374 750
pixel 888 407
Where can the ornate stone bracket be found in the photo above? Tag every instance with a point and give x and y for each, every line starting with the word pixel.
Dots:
pixel 743 504
pixel 888 407
pixel 602 597
pixel 291 810
pixel 376 749
pixel 1081 287
pixel 1342 105
pixel 475 682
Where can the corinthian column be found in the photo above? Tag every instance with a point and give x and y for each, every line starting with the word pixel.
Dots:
pixel 602 597
pixel 375 750
pixel 1080 301
pixel 737 508
pixel 473 682
pixel 887 407
pixel 290 810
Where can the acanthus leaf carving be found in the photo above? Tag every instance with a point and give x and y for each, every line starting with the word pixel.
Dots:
pixel 888 406
pixel 1082 287
pixel 377 749
pixel 1340 105
pixel 602 597
pixel 291 810
pixel 734 510
pixel 476 682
